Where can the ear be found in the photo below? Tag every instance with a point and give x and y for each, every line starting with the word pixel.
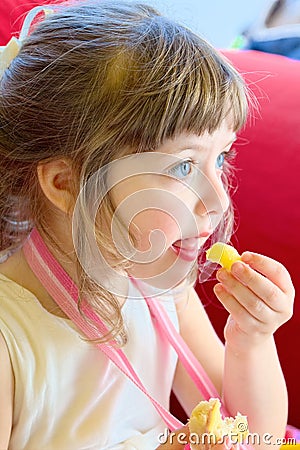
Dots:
pixel 55 179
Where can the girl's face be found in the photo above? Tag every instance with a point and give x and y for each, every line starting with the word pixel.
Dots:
pixel 170 201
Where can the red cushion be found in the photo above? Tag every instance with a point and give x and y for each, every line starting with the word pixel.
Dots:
pixel 268 198
pixel 12 15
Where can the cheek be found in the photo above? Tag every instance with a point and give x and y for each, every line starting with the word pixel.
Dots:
pixel 154 228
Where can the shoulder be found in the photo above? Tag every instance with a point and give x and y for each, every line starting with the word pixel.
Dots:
pixel 6 395
pixel 200 336
pixel 10 271
pixel 190 309
pixel 197 330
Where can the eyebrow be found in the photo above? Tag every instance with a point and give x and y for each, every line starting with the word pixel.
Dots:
pixel 196 147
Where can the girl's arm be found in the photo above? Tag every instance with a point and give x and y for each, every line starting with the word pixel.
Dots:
pixel 6 395
pixel 254 384
pixel 259 297
pixel 251 378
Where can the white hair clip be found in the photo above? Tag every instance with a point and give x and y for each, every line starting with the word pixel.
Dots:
pixel 9 51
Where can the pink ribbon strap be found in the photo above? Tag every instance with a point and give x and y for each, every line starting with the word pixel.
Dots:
pixel 188 359
pixel 65 293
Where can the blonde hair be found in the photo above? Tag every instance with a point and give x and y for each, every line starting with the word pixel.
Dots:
pixel 92 82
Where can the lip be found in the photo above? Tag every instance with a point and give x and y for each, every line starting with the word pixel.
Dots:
pixel 205 234
pixel 188 249
pixel 186 254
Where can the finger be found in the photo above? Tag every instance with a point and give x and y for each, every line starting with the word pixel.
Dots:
pixel 246 297
pixel 261 286
pixel 271 269
pixel 241 320
pixel 237 311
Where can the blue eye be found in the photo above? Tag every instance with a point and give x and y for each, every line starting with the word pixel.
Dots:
pixel 181 170
pixel 220 160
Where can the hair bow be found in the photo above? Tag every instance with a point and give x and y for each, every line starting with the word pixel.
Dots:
pixel 9 51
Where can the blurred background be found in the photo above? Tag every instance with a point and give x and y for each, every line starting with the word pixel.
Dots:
pixel 219 21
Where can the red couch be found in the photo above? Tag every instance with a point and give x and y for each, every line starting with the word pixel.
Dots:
pixel 12 14
pixel 268 198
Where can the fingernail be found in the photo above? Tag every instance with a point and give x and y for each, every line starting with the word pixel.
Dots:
pixel 237 268
pixel 246 256
pixel 218 289
pixel 222 275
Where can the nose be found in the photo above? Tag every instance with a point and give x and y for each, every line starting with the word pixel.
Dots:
pixel 212 199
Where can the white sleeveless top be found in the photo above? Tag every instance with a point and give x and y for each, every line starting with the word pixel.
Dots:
pixel 68 395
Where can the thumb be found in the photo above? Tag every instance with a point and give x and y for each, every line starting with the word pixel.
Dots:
pixel 176 440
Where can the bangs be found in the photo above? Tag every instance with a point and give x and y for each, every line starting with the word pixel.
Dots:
pixel 172 81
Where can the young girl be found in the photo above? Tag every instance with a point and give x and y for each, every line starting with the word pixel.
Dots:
pixel 116 127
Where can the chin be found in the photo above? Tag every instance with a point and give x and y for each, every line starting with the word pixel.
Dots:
pixel 167 272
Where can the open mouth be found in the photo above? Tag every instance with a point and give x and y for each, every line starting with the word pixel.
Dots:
pixel 188 251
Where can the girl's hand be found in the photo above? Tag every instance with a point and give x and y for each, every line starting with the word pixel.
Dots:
pixel 258 293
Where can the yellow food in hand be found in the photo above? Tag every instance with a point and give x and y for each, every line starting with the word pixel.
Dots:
pixel 223 254
pixel 206 420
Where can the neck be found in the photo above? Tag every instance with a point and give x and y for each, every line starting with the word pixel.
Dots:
pixel 99 271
